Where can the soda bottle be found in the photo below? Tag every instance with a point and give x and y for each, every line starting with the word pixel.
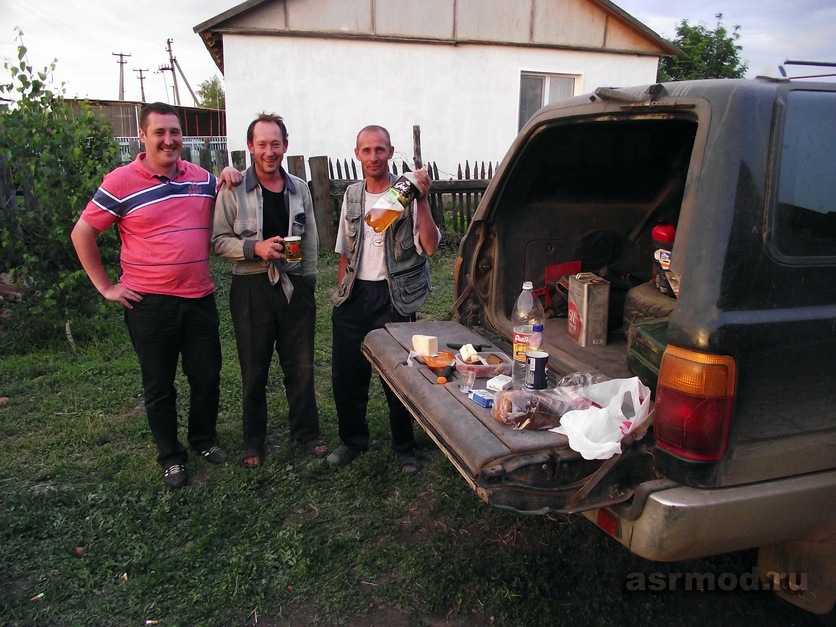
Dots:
pixel 663 235
pixel 527 312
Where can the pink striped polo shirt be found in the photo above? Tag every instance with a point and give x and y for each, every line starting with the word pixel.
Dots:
pixel 165 226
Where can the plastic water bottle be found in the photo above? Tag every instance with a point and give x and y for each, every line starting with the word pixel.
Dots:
pixel 536 337
pixel 527 313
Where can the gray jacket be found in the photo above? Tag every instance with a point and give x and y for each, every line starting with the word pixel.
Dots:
pixel 239 221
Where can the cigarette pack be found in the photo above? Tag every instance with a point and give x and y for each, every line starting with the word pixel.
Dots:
pixel 484 397
pixel 499 382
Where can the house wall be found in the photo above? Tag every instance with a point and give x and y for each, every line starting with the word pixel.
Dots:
pixel 327 89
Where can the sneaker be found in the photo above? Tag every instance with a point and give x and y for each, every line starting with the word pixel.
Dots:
pixel 215 455
pixel 343 456
pixel 176 476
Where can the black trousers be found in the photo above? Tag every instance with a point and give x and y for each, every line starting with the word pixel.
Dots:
pixel 265 322
pixel 162 328
pixel 367 308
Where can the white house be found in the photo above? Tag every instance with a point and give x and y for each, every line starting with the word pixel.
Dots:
pixel 468 72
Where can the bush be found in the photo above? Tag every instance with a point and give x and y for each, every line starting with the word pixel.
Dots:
pixel 54 157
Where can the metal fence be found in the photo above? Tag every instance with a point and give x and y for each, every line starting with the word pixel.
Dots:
pixel 193 150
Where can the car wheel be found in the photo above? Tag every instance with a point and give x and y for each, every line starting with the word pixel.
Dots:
pixel 646 302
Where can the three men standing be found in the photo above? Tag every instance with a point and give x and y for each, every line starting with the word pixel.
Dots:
pixel 162 207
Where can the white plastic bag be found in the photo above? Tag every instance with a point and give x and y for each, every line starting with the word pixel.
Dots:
pixel 596 433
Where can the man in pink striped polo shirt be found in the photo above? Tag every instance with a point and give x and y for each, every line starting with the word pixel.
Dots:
pixel 162 208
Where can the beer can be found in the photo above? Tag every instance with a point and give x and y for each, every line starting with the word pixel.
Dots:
pixel 535 370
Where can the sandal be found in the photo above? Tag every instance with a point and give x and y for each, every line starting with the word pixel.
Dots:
pixel 316 447
pixel 251 460
pixel 409 464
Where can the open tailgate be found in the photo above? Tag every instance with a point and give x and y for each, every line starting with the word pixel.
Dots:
pixel 532 472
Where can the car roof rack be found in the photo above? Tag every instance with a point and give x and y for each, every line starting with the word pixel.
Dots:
pixel 807 64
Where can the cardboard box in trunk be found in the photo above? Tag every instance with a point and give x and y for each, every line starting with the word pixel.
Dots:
pixel 589 299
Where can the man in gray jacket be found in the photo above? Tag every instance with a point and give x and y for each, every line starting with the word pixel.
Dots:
pixel 271 297
pixel 383 277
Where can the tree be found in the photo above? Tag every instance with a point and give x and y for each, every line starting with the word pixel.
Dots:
pixel 53 157
pixel 211 93
pixel 708 54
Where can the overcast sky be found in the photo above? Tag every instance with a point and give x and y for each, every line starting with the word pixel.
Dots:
pixel 83 35
pixel 771 31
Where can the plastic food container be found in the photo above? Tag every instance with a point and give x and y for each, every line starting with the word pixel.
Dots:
pixel 500 363
pixel 439 361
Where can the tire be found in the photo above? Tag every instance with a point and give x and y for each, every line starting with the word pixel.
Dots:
pixel 645 302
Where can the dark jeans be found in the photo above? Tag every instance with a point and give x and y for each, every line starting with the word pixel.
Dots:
pixel 264 321
pixel 367 308
pixel 161 329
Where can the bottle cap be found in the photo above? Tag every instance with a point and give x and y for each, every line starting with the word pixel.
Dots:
pixel 537 328
pixel 664 233
pixel 528 285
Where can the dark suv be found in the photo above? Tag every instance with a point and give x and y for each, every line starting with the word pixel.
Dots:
pixel 741 363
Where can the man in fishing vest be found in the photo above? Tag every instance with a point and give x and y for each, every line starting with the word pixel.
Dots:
pixel 383 277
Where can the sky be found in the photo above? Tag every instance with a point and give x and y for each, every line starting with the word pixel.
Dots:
pixel 83 36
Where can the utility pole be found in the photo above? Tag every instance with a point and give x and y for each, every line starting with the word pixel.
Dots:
pixel 162 70
pixel 142 83
pixel 183 76
pixel 172 61
pixel 121 63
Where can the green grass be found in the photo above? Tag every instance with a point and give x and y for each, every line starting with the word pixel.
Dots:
pixel 295 542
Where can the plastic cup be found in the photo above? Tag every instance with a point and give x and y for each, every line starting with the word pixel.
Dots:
pixel 466 382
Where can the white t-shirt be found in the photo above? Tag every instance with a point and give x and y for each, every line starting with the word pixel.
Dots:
pixel 373 255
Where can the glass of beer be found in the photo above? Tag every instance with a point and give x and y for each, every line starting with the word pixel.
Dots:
pixel 293 248
pixel 390 206
pixel 380 219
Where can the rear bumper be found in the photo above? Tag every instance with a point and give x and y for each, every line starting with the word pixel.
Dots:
pixel 677 523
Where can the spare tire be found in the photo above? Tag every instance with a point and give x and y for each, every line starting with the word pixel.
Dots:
pixel 646 302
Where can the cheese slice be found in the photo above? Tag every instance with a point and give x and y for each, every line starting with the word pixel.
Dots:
pixel 425 344
pixel 468 353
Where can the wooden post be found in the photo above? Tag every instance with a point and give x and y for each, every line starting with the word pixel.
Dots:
pixel 205 157
pixel 133 148
pixel 416 147
pixel 239 159
pixel 221 158
pixel 323 208
pixel 296 166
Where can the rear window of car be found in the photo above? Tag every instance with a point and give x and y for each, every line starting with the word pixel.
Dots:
pixel 805 212
pixel 606 162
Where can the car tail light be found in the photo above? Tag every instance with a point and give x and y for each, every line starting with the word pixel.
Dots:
pixel 694 400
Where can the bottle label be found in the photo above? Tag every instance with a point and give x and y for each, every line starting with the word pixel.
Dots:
pixel 521 344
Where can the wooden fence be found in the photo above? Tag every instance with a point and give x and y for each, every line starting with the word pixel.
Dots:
pixel 452 201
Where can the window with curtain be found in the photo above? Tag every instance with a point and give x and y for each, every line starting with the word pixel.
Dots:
pixel 537 90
